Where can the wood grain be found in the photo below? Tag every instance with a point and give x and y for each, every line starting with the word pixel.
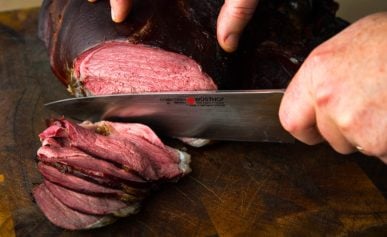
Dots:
pixel 235 189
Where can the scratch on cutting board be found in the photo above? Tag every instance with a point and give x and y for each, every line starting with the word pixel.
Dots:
pixel 207 188
pixel 146 226
pixel 185 195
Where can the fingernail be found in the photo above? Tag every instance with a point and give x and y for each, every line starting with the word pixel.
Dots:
pixel 114 17
pixel 231 42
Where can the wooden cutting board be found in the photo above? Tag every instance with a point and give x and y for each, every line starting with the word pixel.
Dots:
pixel 235 189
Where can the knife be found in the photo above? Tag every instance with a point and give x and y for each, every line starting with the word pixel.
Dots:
pixel 249 115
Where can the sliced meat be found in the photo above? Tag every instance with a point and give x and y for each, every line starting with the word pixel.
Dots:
pixel 92 170
pixel 121 130
pixel 91 204
pixel 65 217
pixel 138 131
pixel 139 187
pixel 80 185
pixel 151 162
pixel 73 157
pixel 101 70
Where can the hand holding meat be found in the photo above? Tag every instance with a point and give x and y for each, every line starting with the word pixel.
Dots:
pixel 233 17
pixel 120 9
pixel 340 92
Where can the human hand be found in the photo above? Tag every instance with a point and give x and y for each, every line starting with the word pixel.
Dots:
pixel 233 17
pixel 340 92
pixel 120 9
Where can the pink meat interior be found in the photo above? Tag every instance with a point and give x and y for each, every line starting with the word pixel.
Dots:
pixel 122 67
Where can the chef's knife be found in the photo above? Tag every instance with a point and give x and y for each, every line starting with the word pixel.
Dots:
pixel 250 115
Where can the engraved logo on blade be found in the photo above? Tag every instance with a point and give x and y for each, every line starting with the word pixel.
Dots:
pixel 190 101
pixel 196 100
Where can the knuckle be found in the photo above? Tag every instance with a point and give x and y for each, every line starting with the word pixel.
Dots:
pixel 317 56
pixel 287 123
pixel 290 127
pixel 241 13
pixel 350 119
pixel 319 84
pixel 323 96
pixel 346 121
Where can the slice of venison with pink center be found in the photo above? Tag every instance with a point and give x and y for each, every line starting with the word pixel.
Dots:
pixel 75 183
pixel 150 161
pixel 136 131
pixel 81 185
pixel 83 162
pixel 122 130
pixel 65 217
pixel 91 204
pixel 121 67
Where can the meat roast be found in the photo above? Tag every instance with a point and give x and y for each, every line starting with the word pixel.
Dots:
pixel 170 45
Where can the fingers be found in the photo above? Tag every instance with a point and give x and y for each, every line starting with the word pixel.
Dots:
pixel 306 112
pixel 120 9
pixel 233 17
pixel 297 114
pixel 305 119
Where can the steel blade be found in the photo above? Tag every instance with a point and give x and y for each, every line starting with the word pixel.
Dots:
pixel 250 115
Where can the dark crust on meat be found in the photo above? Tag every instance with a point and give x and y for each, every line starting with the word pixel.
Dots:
pixel 280 36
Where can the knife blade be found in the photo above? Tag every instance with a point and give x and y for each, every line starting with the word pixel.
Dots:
pixel 250 115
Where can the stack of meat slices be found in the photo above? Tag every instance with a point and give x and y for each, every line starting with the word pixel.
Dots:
pixel 96 172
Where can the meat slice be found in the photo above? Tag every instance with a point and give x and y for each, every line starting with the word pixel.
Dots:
pixel 121 130
pixel 91 204
pixel 76 159
pixel 98 170
pixel 101 70
pixel 65 217
pixel 150 161
pixel 137 131
pixel 77 184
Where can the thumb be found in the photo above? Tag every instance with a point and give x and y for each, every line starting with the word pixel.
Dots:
pixel 120 9
pixel 233 18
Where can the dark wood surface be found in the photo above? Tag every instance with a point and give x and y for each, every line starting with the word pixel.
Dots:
pixel 235 189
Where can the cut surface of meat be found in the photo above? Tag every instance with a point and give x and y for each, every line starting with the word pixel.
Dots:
pixel 65 217
pixel 77 184
pixel 99 170
pixel 122 67
pixel 73 157
pixel 150 161
pixel 121 130
pixel 91 204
